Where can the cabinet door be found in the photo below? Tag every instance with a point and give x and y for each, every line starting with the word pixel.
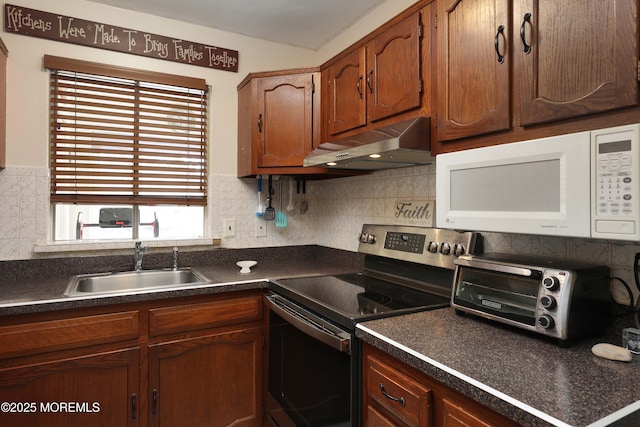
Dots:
pixel 347 93
pixel 393 70
pixel 212 380
pixel 93 390
pixel 285 120
pixel 583 57
pixel 473 83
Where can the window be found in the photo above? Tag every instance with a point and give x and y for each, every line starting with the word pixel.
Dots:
pixel 128 152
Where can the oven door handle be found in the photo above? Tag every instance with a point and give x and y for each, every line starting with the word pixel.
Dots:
pixel 310 324
pixel 500 268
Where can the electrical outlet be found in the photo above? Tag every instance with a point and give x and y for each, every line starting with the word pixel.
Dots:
pixel 261 228
pixel 229 227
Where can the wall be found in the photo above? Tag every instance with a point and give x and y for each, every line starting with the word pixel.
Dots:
pixel 24 207
pixel 336 208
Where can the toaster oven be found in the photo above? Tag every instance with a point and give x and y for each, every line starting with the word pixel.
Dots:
pixel 558 299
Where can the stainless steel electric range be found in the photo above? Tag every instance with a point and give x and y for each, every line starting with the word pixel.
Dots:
pixel 314 370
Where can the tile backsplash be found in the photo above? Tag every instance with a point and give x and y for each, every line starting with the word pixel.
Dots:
pixel 336 210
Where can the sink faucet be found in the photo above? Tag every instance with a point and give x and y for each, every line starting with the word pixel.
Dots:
pixel 137 257
pixel 175 258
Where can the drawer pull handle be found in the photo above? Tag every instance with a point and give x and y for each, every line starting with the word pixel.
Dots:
pixel 388 396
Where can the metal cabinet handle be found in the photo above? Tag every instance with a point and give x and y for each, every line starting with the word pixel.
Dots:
pixel 133 406
pixel 369 80
pixel 526 19
pixel 388 396
pixel 497 44
pixel 154 404
pixel 260 123
pixel 358 85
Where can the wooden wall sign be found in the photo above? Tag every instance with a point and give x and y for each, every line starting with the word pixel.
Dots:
pixel 36 23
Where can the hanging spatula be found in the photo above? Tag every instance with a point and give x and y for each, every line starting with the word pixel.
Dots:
pixel 270 212
pixel 281 218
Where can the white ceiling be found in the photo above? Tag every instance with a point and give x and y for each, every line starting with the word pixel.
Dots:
pixel 305 23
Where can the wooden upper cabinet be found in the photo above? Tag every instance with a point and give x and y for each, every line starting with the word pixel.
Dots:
pixel 473 75
pixel 393 70
pixel 376 80
pixel 582 57
pixel 279 122
pixel 347 93
pixel 285 120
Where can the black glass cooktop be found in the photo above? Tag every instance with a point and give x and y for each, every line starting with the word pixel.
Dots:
pixel 351 298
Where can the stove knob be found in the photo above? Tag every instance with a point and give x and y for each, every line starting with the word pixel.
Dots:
pixel 371 238
pixel 458 249
pixel 551 283
pixel 548 302
pixel 432 247
pixel 545 321
pixel 445 248
pixel 363 237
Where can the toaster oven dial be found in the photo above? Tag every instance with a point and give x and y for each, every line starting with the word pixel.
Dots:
pixel 545 321
pixel 445 248
pixel 548 302
pixel 432 247
pixel 551 283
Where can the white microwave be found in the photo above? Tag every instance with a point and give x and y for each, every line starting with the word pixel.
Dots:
pixel 584 184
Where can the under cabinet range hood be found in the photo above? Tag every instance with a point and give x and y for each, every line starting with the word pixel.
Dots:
pixel 402 144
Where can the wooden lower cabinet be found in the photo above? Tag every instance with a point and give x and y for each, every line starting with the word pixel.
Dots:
pixel 192 361
pixel 454 414
pixel 207 381
pixel 395 394
pixel 90 390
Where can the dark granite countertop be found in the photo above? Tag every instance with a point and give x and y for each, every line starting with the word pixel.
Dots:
pixel 528 378
pixel 38 285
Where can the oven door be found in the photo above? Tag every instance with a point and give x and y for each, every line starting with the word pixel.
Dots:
pixel 313 372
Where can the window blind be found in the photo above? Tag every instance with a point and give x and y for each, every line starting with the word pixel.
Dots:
pixel 121 140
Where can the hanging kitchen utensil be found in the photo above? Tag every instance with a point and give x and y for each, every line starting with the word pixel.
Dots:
pixel 270 212
pixel 260 208
pixel 281 218
pixel 290 207
pixel 304 206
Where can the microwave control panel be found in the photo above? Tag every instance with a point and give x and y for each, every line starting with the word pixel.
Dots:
pixel 615 183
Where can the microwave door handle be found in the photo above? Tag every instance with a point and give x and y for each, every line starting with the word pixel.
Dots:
pixel 501 268
pixel 341 341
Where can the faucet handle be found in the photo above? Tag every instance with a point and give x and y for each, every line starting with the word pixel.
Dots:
pixel 175 257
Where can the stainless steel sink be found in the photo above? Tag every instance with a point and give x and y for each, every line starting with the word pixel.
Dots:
pixel 132 281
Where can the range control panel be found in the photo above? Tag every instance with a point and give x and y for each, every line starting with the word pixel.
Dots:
pixel 425 245
pixel 407 242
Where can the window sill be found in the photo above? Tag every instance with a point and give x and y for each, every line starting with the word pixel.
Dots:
pixel 96 246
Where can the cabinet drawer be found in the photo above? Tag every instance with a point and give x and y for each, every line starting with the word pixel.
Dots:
pixel 68 333
pixel 403 397
pixel 457 414
pixel 191 317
